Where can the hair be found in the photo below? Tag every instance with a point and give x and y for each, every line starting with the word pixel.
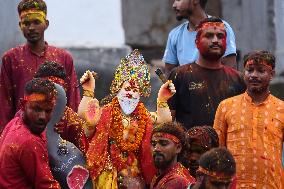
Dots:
pixel 206 20
pixel 51 69
pixel 177 130
pixel 205 135
pixel 41 86
pixel 32 4
pixel 259 56
pixel 218 160
pixel 203 3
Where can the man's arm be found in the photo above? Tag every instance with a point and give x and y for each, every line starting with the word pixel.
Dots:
pixel 169 67
pixel 71 128
pixel 34 162
pixel 8 106
pixel 220 124
pixel 170 55
pixel 229 58
pixel 73 93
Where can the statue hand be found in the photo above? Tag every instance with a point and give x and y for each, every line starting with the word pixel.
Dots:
pixel 166 91
pixel 88 81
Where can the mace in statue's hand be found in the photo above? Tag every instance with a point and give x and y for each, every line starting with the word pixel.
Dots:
pixel 166 91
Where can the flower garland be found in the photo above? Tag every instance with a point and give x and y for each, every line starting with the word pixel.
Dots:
pixel 117 128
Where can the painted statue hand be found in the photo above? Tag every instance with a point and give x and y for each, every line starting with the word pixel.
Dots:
pixel 88 81
pixel 166 91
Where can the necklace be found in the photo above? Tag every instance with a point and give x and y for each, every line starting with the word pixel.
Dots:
pixel 121 122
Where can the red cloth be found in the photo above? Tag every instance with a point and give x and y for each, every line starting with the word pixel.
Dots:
pixel 19 66
pixel 176 177
pixel 97 155
pixel 71 128
pixel 24 158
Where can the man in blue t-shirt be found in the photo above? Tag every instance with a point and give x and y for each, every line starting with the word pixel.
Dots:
pixel 181 48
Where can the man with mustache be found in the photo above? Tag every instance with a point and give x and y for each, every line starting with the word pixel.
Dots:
pixel 19 64
pixel 217 169
pixel 251 126
pixel 119 151
pixel 202 85
pixel 181 48
pixel 168 147
pixel 23 145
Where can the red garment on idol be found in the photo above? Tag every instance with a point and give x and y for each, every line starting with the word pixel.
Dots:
pixel 176 177
pixel 98 153
pixel 19 66
pixel 24 158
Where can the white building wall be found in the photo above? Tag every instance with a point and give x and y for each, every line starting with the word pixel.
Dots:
pixel 85 23
pixel 279 20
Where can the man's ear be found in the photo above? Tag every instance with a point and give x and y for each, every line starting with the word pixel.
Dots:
pixel 20 26
pixel 178 148
pixel 46 24
pixel 196 41
pixel 272 74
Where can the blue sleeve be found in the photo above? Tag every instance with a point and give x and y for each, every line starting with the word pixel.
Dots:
pixel 231 42
pixel 170 55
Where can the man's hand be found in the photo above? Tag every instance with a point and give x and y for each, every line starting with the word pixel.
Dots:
pixel 88 81
pixel 166 91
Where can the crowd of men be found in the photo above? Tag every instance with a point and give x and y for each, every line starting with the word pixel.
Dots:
pixel 214 127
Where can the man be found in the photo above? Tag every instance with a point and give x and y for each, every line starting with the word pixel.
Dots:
pixel 71 127
pixel 23 145
pixel 202 85
pixel 20 64
pixel 200 139
pixel 251 126
pixel 120 147
pixel 217 169
pixel 168 143
pixel 181 48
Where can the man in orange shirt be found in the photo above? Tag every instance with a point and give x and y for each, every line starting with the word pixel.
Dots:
pixel 251 126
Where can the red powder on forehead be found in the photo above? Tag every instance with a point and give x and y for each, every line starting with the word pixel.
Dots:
pixel 255 62
pixel 212 24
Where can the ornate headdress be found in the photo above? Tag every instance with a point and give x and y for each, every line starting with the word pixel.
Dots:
pixel 133 66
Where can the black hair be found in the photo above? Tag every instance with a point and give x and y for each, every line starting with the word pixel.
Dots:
pixel 259 56
pixel 48 69
pixel 177 130
pixel 206 20
pixel 218 160
pixel 32 4
pixel 41 86
pixel 205 135
pixel 203 3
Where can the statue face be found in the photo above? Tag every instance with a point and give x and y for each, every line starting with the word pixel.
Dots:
pixel 128 97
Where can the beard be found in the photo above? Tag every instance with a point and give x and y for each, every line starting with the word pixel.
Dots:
pixel 186 14
pixel 212 56
pixel 258 90
pixel 128 105
pixel 160 162
pixel 35 127
pixel 180 18
pixel 192 169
